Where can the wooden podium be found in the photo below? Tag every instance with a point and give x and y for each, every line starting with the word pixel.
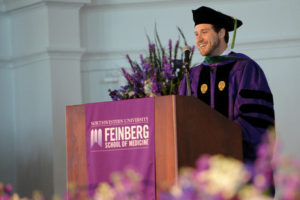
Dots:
pixel 185 128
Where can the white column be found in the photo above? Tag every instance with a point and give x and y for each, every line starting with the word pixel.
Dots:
pixel 45 59
pixel 65 53
pixel 7 129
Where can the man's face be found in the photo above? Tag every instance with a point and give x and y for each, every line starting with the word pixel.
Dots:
pixel 207 40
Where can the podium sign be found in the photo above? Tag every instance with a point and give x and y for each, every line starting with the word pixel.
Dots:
pixel 154 136
pixel 120 135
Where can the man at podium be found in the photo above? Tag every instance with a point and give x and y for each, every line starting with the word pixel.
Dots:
pixel 229 82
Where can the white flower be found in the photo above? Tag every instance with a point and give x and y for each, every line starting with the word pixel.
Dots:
pixel 148 88
pixel 176 191
pixel 104 192
pixel 251 193
pixel 131 93
pixel 225 175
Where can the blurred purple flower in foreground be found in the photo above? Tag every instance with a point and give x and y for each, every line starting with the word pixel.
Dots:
pixel 215 178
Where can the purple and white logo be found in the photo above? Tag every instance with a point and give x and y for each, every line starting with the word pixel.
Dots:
pixel 119 134
pixel 96 137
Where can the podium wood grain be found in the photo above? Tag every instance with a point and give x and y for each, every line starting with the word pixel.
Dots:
pixel 76 149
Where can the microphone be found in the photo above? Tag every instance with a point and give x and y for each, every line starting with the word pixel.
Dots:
pixel 187 51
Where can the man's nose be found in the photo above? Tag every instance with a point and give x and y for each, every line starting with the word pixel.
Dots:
pixel 199 38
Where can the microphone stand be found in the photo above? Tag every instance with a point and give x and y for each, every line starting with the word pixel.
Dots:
pixel 187 78
pixel 187 51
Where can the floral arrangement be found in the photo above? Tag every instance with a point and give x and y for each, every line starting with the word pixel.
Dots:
pixel 125 186
pixel 223 178
pixel 6 191
pixel 214 178
pixel 158 74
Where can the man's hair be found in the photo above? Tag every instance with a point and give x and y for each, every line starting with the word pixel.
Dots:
pixel 218 28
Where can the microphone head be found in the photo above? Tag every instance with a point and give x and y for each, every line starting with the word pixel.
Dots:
pixel 187 48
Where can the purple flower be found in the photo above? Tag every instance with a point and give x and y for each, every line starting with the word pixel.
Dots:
pixel 129 60
pixel 164 60
pixel 177 64
pixel 170 49
pixel 142 59
pixel 203 163
pixel 193 48
pixel 156 74
pixel 176 49
pixel 130 78
pixel 156 88
pixel 151 47
pixel 168 71
pixel 114 94
pixel 8 189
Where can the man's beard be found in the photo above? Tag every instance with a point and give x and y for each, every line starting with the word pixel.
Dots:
pixel 214 48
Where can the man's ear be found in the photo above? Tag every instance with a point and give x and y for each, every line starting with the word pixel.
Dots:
pixel 221 33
